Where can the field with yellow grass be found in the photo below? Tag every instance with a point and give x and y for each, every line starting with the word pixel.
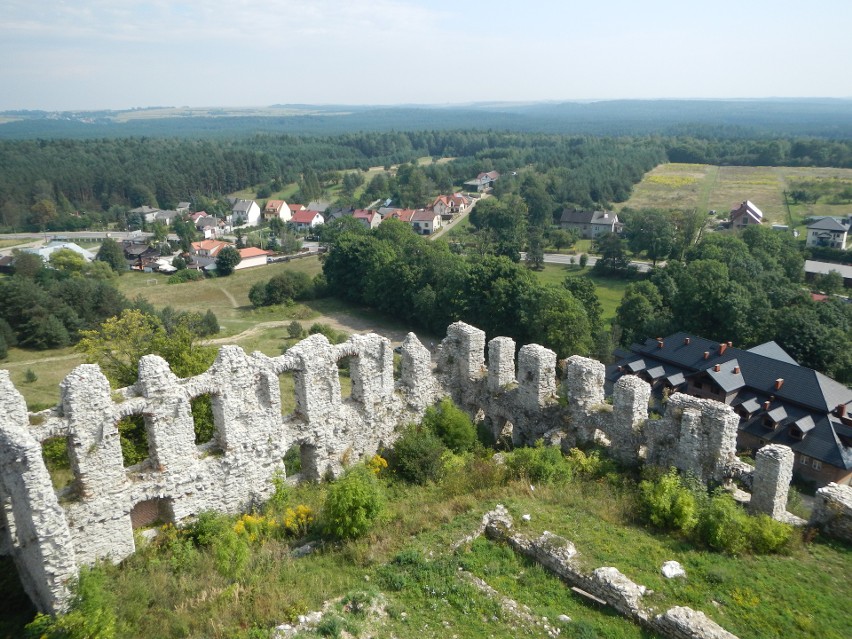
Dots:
pixel 705 187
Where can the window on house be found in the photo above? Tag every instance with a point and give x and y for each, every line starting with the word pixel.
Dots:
pixel 805 460
pixel 817 464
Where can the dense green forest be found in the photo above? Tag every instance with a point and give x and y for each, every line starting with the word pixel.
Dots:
pixel 64 184
pixel 747 289
pixel 828 118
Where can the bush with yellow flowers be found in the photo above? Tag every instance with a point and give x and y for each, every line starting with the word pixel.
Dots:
pixel 256 528
pixel 298 521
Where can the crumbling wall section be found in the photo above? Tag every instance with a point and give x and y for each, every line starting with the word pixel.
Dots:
pixel 94 518
pixel 773 471
pixel 833 511
pixel 695 436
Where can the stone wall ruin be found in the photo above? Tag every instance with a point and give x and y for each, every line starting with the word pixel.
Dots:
pixel 51 534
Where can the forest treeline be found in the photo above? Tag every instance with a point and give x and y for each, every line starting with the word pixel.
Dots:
pixel 64 184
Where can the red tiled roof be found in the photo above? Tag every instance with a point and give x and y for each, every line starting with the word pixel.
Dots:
pixel 274 205
pixel 253 251
pixel 304 217
pixel 296 207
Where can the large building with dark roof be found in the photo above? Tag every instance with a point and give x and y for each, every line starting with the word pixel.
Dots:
pixel 778 401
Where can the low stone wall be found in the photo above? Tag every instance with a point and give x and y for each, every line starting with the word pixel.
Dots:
pixel 607 584
pixel 50 535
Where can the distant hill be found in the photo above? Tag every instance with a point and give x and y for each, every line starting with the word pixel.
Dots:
pixel 817 117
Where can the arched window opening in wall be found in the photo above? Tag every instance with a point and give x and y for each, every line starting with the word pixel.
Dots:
pixel 133 435
pixel 203 422
pixel 54 451
pixel 158 510
pixel 344 369
pixel 287 389
pixel 300 458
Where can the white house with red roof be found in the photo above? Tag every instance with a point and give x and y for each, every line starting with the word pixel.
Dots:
pixel 208 248
pixel 426 221
pixel 449 205
pixel 252 256
pixel 277 209
pixel 295 208
pixel 306 220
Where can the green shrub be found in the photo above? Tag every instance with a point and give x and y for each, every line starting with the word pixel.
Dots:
pixel 295 330
pixel 186 275
pixel 539 464
pixel 353 503
pixel 723 525
pixel 767 535
pixel 416 455
pixel 208 528
pixel 333 336
pixel 451 424
pixel 91 614
pixel 668 503
pixel 590 465
pixel 30 377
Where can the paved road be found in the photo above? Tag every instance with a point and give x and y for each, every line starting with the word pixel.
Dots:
pixel 559 258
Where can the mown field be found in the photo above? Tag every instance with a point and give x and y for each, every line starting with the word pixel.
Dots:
pixel 721 188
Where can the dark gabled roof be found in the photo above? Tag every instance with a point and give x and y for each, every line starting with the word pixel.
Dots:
pixel 729 377
pixel 573 216
pixel 820 441
pixel 759 372
pixel 773 351
pixel 828 224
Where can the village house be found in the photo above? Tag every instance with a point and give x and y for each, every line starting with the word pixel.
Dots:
pixel 277 209
pixel 371 219
pixel 295 208
pixel 426 221
pixel 403 215
pixel 483 181
pixel 252 256
pixel 448 206
pixel 245 213
pixel 778 401
pixel 139 256
pixel 148 213
pixel 744 215
pixel 166 217
pixel 306 220
pixel 337 212
pixel 814 268
pixel 183 207
pixel 590 224
pixel 829 232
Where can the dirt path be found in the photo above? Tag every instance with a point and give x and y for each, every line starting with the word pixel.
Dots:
pixel 338 321
pixel 41 360
pixel 230 297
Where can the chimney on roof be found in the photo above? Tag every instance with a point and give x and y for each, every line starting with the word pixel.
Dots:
pixel 660 343
pixel 722 348
pixel 706 354
pixel 736 370
pixel 779 383
pixel 840 410
pixel 686 341
pixel 717 367
pixel 730 344
pixel 766 405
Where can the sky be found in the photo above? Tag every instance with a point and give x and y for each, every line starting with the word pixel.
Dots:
pixel 120 54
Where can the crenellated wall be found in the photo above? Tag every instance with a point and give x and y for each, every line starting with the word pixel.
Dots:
pixel 51 534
